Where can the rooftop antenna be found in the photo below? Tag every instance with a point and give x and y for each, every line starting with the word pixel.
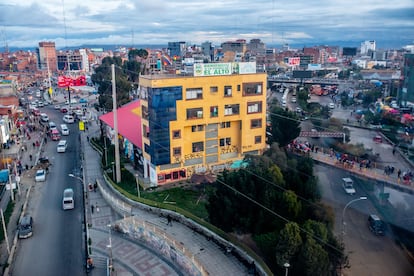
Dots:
pixel 6 46
pixel 132 38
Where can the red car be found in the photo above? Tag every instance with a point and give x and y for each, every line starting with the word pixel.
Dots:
pixel 64 110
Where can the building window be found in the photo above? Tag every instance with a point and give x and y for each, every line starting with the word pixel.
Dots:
pixel 194 93
pixel 225 125
pixel 197 128
pixel 195 113
pixel 145 113
pixel 254 107
pixel 257 139
pixel 225 141
pixel 213 89
pixel 176 134
pixel 213 111
pixel 256 123
pixel 177 151
pixel 252 89
pixel 227 91
pixel 231 109
pixel 238 88
pixel 146 131
pixel 198 146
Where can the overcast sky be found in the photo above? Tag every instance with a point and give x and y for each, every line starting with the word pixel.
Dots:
pixel 125 22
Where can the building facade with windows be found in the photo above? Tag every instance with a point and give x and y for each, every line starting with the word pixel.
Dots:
pixel 203 123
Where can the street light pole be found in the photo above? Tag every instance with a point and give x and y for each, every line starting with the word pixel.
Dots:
pixel 136 178
pixel 343 214
pixel 286 265
pixel 110 250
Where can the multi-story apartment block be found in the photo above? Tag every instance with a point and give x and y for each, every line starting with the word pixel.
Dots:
pixel 70 60
pixel 238 46
pixel 407 92
pixel 176 49
pixel 201 123
pixel 47 56
pixel 367 47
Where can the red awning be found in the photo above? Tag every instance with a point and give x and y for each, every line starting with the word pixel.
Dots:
pixel 129 122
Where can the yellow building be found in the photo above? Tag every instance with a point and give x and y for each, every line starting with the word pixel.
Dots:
pixel 201 123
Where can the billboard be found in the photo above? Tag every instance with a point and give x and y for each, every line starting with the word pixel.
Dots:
pixel 244 67
pixel 294 61
pixel 65 81
pixel 212 69
pixel 302 74
pixel 314 66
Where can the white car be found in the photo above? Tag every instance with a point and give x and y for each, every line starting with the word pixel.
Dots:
pixel 348 185
pixel 40 175
pixel 44 117
pixel 62 145
pixel 331 105
pixel 293 99
pixel 69 119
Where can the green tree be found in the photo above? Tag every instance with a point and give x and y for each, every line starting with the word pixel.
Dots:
pixel 285 126
pixel 103 78
pixel 133 53
pixel 293 207
pixel 313 259
pixel 288 244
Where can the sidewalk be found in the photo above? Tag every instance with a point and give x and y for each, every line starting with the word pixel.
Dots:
pixel 26 181
pixel 372 173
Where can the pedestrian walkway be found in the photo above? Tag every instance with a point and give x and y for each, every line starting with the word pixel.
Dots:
pixel 129 256
pixel 26 154
pixel 379 174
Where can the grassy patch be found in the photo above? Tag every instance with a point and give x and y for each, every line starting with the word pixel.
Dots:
pixel 190 200
pixel 7 214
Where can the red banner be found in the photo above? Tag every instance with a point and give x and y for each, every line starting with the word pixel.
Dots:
pixel 65 81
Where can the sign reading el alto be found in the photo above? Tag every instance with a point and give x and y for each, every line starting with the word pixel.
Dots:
pixel 222 69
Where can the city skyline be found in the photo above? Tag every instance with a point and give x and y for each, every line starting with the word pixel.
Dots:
pixel 117 22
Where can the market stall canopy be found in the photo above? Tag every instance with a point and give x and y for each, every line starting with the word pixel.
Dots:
pixel 129 122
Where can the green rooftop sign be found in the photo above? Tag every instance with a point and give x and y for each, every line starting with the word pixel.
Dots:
pixel 212 69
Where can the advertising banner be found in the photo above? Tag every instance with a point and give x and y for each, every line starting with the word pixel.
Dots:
pixel 65 81
pixel 212 69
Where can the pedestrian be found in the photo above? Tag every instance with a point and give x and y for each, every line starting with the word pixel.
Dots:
pixel 169 220
pixel 92 208
pixel 96 207
pixel 95 186
pixel 399 173
pixel 30 157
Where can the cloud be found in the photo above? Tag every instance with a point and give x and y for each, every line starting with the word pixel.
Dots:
pixel 77 22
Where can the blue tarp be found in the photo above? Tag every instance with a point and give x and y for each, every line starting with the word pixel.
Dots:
pixel 4 176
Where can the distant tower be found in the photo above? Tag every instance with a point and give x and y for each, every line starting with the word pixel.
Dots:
pixel 47 56
pixel 406 95
pixel 368 46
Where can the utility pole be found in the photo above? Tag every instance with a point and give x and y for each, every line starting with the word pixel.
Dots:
pixel 5 231
pixel 115 112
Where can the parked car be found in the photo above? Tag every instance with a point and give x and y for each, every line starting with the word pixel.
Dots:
pixel 83 100
pixel 40 175
pixel 63 110
pixel 25 227
pixel 331 105
pixel 293 99
pixel 348 185
pixel 376 225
